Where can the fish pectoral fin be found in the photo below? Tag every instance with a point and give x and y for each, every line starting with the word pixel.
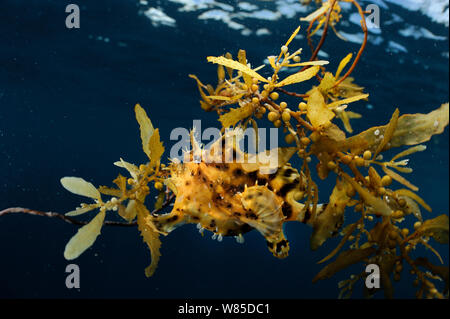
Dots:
pixel 265 215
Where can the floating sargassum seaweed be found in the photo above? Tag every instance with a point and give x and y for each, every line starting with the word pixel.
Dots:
pixel 230 199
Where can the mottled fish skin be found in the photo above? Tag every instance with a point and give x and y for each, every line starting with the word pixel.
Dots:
pixel 229 201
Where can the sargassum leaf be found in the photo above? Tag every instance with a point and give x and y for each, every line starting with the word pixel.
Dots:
pixel 236 66
pixel 343 116
pixel 129 213
pixel 317 111
pixel 334 133
pixel 220 97
pixel 411 207
pixel 319 25
pixel 242 57
pixel 292 36
pixel 121 183
pixel 411 129
pixel 146 127
pixel 235 115
pixel 156 148
pixel 81 210
pixel 399 178
pixel 160 200
pixel 345 259
pixel 325 224
pixel 349 229
pixel 322 10
pixel 414 129
pixel 85 237
pixel 388 133
pixel 151 237
pixel 410 194
pixel 271 60
pixel 201 86
pixel 377 204
pixel 131 168
pixel 110 191
pixel 348 100
pixel 342 64
pixel 327 82
pixel 409 151
pixel 79 186
pixel 308 63
pixel 299 76
pixel 437 228
pixel 220 73
pixel 386 267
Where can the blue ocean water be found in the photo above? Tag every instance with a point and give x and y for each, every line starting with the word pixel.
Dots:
pixel 66 109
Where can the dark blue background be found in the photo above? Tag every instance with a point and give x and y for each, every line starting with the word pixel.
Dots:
pixel 66 109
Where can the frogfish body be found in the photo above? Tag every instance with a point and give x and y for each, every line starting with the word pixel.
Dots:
pixel 230 198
